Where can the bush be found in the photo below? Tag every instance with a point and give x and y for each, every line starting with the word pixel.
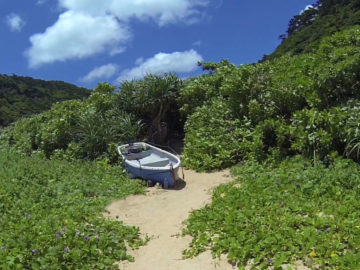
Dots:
pixel 293 104
pixel 318 133
pixel 212 137
pixel 275 215
pixel 77 129
pixel 197 91
pixel 352 130
pixel 51 214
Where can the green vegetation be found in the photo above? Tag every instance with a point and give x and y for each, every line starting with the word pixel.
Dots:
pixel 52 196
pixel 212 142
pixel 50 213
pixel 91 129
pixel 272 215
pixel 306 30
pixel 289 121
pixel 25 96
pixel 153 100
pixel 306 104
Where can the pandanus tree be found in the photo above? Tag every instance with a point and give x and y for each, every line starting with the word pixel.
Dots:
pixel 150 99
pixel 101 123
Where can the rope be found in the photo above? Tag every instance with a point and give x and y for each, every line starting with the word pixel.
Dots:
pixel 173 174
pixel 176 153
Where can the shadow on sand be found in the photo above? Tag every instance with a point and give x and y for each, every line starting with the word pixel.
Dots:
pixel 180 184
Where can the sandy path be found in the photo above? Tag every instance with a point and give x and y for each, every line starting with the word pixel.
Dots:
pixel 160 214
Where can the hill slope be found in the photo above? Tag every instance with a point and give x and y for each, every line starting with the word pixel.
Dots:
pixel 307 29
pixel 24 96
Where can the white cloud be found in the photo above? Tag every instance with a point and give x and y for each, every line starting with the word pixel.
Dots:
pixel 139 61
pixel 87 27
pixel 181 62
pixel 306 8
pixel 162 11
pixel 117 50
pixel 105 71
pixel 15 22
pixel 75 35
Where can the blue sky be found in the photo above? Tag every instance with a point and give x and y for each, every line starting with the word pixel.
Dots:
pixel 88 41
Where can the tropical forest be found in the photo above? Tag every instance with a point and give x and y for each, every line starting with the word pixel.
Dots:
pixel 287 127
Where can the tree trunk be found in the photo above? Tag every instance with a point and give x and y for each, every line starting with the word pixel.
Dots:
pixel 156 132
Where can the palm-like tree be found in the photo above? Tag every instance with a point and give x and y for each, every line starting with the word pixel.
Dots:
pixel 151 99
pixel 162 91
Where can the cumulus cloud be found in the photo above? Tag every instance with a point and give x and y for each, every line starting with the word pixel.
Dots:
pixel 75 35
pixel 88 27
pixel 15 22
pixel 162 11
pixel 102 72
pixel 160 63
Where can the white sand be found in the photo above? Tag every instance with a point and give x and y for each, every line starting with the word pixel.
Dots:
pixel 160 214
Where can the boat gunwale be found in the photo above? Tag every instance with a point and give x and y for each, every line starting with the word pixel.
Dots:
pixel 160 168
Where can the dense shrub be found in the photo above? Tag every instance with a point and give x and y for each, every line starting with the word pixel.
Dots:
pixel 91 129
pixel 212 137
pixel 153 100
pixel 293 104
pixel 197 91
pixel 352 130
pixel 50 214
pixel 274 215
pixel 75 129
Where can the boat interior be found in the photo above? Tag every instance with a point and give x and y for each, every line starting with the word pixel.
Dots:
pixel 149 157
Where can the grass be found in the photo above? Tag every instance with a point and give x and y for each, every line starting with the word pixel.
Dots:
pixel 50 214
pixel 272 215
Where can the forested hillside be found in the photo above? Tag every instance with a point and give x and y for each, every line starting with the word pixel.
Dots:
pixel 24 96
pixel 305 30
pixel 91 129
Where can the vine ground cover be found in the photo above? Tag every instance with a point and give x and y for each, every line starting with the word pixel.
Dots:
pixel 50 214
pixel 279 214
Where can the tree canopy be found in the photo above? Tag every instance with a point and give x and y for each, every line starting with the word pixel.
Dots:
pixel 24 96
pixel 325 18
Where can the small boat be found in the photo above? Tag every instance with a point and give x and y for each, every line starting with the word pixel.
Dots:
pixel 148 162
